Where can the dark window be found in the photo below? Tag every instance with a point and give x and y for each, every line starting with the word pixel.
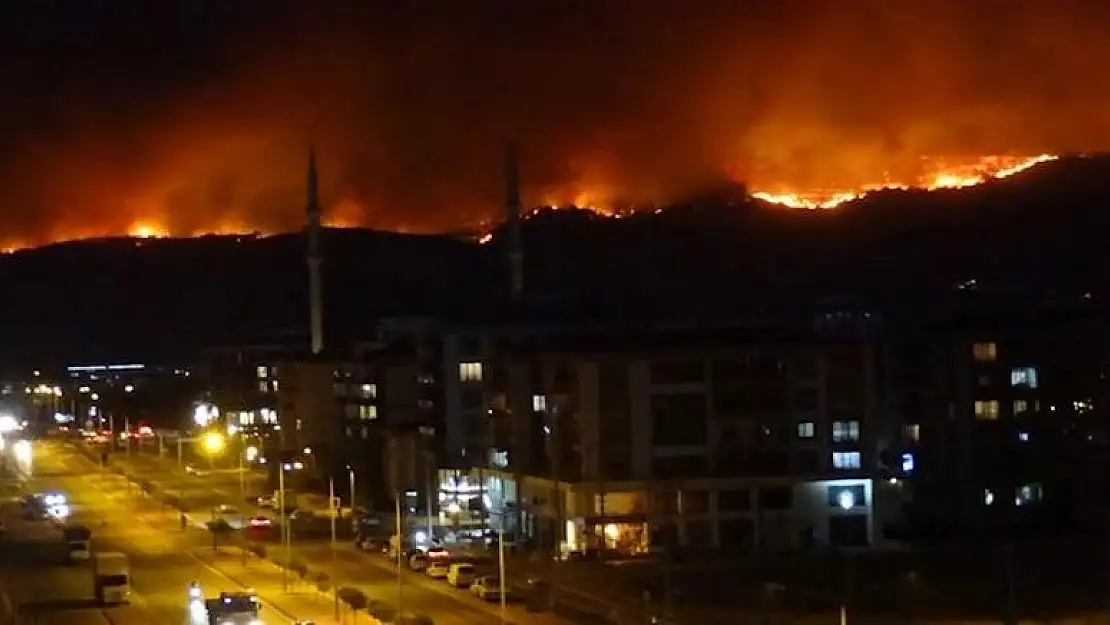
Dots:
pixel 806 461
pixel 805 398
pixel 676 372
pixel 695 502
pixel 699 534
pixel 679 419
pixel 804 367
pixel 848 531
pixel 616 464
pixel 677 467
pixel 664 535
pixel 736 534
pixel 470 399
pixel 776 498
pixel 733 500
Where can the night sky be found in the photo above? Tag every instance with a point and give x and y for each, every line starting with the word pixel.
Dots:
pixel 197 115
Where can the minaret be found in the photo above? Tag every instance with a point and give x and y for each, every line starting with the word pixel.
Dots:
pixel 315 259
pixel 512 226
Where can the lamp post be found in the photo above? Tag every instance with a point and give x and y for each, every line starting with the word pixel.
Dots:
pixel 285 534
pixel 501 571
pixel 334 566
pixel 400 552
pixel 351 474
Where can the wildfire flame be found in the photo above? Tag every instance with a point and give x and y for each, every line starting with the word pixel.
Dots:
pixel 937 174
pixel 941 177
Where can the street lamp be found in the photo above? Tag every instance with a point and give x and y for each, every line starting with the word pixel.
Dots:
pixel 287 534
pixel 213 442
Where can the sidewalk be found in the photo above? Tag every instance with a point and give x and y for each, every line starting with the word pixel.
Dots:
pixel 515 612
pixel 303 601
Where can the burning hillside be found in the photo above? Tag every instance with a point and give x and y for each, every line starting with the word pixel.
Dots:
pixel 939 174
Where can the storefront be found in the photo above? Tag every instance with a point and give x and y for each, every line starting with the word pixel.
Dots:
pixel 628 533
pixel 476 501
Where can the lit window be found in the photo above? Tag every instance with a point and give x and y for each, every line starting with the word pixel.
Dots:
pixel 908 463
pixel 274 384
pixel 988 497
pixel 985 352
pixel 844 431
pixel 846 460
pixel 1023 376
pixel 269 416
pixel 1023 436
pixel 369 391
pixel 263 386
pixel 1020 406
pixel 470 371
pixel 806 429
pixel 1027 494
pixel 262 372
pixel 986 410
pixel 912 432
pixel 368 413
pixel 539 403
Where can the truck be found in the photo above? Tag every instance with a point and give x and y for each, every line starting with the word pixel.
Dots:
pixel 111 578
pixel 234 608
pixel 77 538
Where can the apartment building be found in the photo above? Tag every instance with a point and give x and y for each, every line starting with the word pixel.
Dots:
pixel 721 439
pixel 1009 425
pixel 321 410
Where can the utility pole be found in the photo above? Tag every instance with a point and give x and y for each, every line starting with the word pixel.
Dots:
pixel 334 536
pixel 400 556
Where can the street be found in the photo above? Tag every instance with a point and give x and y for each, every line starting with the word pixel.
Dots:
pixel 165 559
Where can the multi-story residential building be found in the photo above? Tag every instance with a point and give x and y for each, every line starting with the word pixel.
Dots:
pixel 702 439
pixel 1007 423
pixel 322 410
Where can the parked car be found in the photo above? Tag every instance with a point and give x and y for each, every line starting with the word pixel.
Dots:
pixel 437 569
pixel 461 575
pixel 487 588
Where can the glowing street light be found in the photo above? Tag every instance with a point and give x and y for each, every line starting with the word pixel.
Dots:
pixel 213 442
pixel 251 453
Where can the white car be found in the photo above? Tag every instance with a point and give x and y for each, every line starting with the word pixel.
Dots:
pixel 438 569
pixel 461 575
pixel 487 588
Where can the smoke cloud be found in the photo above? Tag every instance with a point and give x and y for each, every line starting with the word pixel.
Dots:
pixel 199 118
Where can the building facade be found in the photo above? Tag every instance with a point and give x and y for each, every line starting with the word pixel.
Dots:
pixel 702 440
pixel 1008 425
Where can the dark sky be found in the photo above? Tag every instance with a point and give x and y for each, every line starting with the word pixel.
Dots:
pixel 196 115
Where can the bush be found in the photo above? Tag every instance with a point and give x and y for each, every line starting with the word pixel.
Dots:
pixel 219 526
pixel 298 567
pixel 354 598
pixel 322 581
pixel 418 619
pixel 257 549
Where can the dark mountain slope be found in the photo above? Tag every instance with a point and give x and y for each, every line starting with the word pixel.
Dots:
pixel 717 256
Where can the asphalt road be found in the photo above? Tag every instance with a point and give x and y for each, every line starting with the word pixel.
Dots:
pixel 583 588
pixel 161 568
pixel 165 558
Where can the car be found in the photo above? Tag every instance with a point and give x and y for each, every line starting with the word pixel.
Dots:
pixel 487 588
pixel 226 509
pixel 437 569
pixel 260 521
pixel 461 575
